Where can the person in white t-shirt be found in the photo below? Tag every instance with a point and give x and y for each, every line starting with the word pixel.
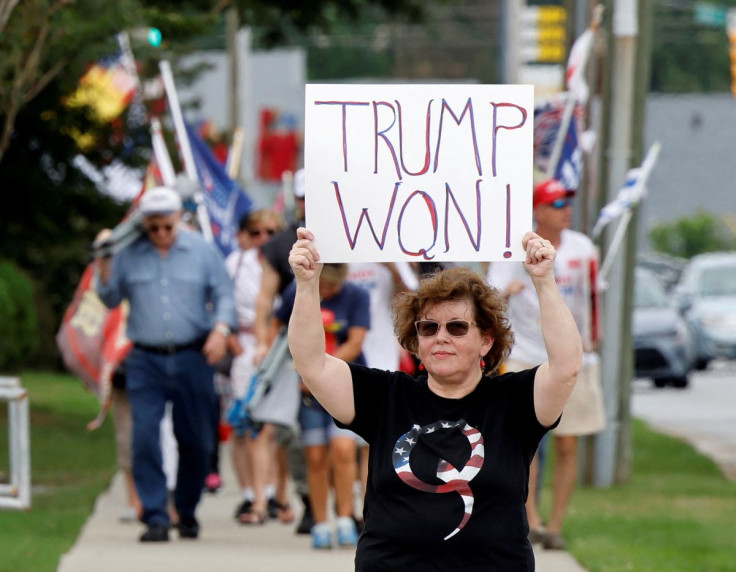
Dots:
pixel 575 272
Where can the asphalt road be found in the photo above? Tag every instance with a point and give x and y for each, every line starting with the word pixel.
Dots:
pixel 703 414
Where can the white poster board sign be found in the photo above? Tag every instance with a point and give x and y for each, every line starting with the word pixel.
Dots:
pixel 419 172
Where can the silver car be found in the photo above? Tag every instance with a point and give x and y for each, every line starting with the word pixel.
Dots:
pixel 706 296
pixel 663 344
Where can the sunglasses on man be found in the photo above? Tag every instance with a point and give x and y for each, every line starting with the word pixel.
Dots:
pixel 561 203
pixel 154 228
pixel 430 328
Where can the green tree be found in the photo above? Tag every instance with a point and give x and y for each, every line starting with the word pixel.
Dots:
pixel 17 317
pixel 686 237
pixel 52 211
pixel 688 56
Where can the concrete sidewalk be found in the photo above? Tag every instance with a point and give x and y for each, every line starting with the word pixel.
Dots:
pixel 223 546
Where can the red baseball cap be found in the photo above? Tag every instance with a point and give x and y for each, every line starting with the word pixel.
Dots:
pixel 549 191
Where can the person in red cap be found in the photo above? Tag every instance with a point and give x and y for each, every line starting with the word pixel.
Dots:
pixel 549 192
pixel 575 272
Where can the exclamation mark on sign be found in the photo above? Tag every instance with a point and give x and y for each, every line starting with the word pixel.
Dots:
pixel 507 254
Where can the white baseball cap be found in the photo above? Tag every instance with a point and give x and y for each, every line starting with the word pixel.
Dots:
pixel 160 201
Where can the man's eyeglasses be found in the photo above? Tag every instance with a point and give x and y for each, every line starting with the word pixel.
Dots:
pixel 258 231
pixel 561 203
pixel 430 328
pixel 154 228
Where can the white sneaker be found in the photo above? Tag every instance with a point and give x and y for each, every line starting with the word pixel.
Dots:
pixel 347 533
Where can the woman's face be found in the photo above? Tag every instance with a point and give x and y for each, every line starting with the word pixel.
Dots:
pixel 453 359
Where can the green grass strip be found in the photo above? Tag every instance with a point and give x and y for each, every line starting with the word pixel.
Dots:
pixel 677 513
pixel 70 467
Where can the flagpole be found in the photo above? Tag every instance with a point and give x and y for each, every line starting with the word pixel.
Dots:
pixel 615 244
pixel 137 115
pixel 554 157
pixel 185 146
pixel 162 153
pixel 235 154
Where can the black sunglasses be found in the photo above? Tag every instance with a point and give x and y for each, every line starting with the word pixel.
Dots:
pixel 258 232
pixel 456 328
pixel 154 228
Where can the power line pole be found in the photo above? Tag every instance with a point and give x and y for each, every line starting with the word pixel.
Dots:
pixel 624 465
pixel 232 25
pixel 616 344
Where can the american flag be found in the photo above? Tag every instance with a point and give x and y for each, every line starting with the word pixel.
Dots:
pixel 455 480
pixel 547 120
pixel 107 87
pixel 224 198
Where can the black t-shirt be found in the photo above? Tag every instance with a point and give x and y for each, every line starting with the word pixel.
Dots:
pixel 276 252
pixel 448 478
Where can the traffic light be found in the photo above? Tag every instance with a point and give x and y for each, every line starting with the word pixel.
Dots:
pixel 154 37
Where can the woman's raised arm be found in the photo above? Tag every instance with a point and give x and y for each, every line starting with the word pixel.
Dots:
pixel 556 377
pixel 327 377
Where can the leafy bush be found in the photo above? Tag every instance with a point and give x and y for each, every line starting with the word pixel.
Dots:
pixel 17 317
pixel 686 237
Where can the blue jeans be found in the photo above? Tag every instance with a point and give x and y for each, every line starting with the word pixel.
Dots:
pixel 317 426
pixel 186 380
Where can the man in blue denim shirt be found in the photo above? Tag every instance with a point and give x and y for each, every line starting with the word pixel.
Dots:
pixel 181 312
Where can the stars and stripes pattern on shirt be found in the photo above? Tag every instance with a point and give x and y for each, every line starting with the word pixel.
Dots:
pixel 455 480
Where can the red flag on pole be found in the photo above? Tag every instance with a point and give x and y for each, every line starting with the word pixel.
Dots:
pixel 92 341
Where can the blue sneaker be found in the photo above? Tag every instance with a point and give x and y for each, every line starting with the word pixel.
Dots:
pixel 347 533
pixel 321 536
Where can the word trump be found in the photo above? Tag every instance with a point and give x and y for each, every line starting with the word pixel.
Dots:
pixel 394 134
pixel 418 171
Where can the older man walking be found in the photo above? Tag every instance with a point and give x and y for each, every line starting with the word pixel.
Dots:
pixel 181 312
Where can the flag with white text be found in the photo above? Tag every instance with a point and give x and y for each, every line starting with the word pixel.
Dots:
pixel 224 198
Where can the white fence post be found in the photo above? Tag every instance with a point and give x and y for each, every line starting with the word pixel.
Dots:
pixel 17 493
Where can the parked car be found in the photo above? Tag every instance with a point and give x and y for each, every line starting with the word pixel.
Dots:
pixel 664 348
pixel 667 268
pixel 706 296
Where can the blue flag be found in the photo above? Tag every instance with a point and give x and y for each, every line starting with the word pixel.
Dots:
pixel 569 169
pixel 547 121
pixel 224 198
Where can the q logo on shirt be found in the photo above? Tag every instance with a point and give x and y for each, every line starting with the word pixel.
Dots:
pixel 455 480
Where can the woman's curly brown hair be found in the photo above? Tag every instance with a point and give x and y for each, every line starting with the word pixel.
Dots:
pixel 457 283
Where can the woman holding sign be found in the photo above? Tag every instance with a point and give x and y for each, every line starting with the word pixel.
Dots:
pixel 450 449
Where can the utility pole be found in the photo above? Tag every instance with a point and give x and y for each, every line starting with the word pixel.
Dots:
pixel 510 40
pixel 232 26
pixel 616 366
pixel 624 466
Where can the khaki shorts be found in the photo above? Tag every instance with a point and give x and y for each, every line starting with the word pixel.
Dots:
pixel 584 413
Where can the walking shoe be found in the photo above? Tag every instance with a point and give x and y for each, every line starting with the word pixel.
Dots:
pixel 243 508
pixel 212 483
pixel 554 541
pixel 155 533
pixel 347 533
pixel 305 526
pixel 536 535
pixel 188 527
pixel 273 508
pixel 321 536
